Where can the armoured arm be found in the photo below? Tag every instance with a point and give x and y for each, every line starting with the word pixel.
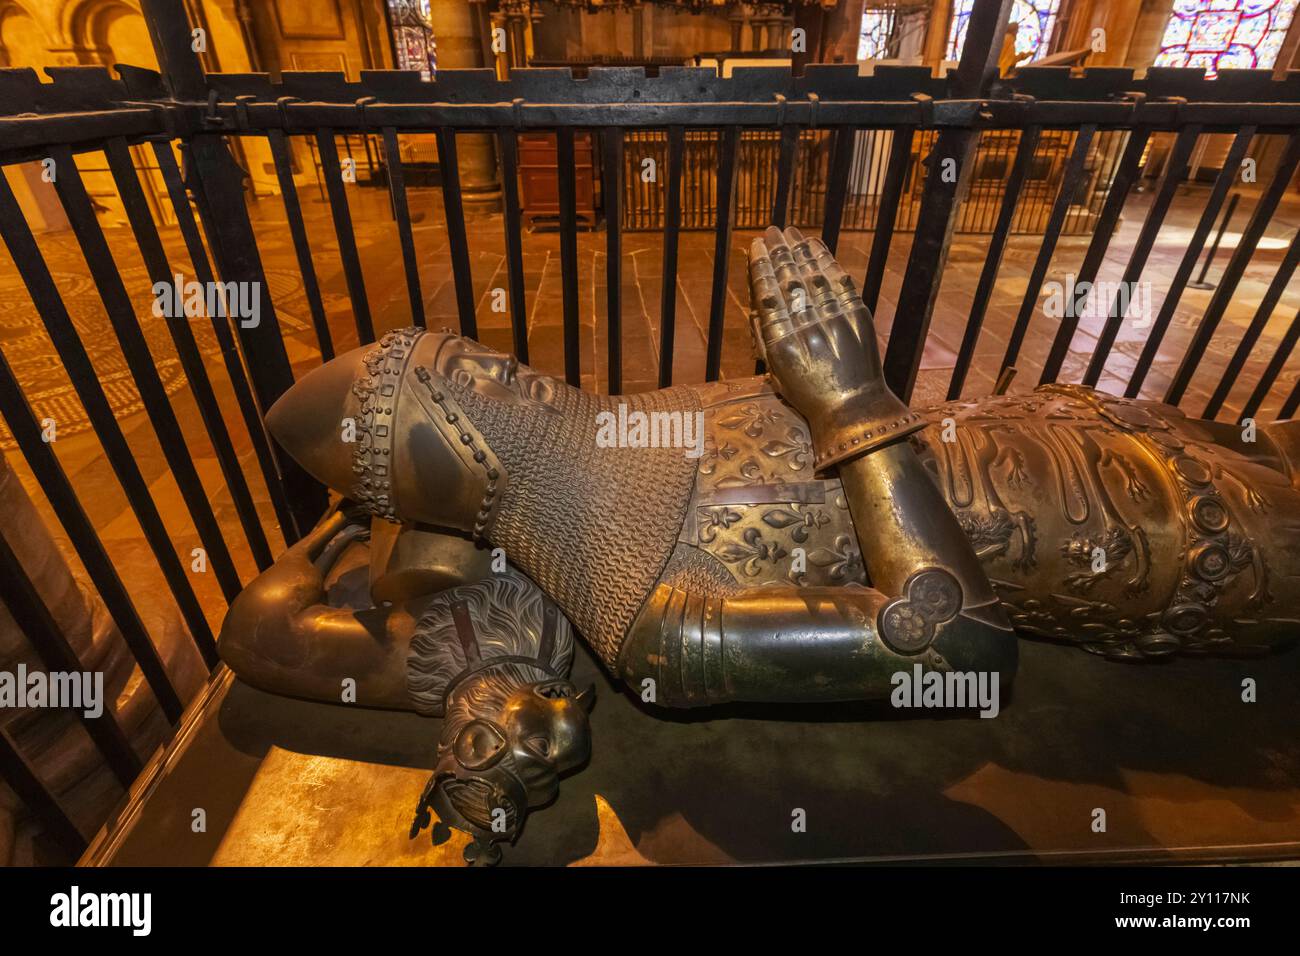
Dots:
pixel 820 343
pixel 931 602
pixel 281 634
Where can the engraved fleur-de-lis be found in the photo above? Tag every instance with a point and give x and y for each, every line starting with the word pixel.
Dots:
pixel 715 518
pixel 752 551
pixel 795 516
pixel 795 449
pixel 841 560
pixel 751 418
pixel 749 473
pixel 714 454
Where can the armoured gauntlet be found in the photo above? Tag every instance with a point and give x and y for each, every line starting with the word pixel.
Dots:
pixel 819 343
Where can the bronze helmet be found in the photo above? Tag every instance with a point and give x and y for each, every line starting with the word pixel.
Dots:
pixel 375 422
pixel 493 769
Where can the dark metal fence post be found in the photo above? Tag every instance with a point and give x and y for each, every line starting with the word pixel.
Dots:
pixel 1199 282
pixel 975 72
pixel 220 183
pixel 22 777
pixel 173 43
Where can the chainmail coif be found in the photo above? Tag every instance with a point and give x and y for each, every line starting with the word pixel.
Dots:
pixel 592 526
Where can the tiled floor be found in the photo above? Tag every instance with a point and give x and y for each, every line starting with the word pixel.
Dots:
pixel 642 285
pixel 27 348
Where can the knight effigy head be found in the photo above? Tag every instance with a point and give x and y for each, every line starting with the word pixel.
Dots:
pixel 492 659
pixel 376 422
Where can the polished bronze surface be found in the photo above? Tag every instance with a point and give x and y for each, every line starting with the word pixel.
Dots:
pixel 1123 526
pixel 929 601
pixel 819 343
pixel 492 659
pixel 799 537
pixel 1115 524
pixel 409 561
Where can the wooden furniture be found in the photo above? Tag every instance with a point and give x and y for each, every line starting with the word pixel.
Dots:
pixel 539 187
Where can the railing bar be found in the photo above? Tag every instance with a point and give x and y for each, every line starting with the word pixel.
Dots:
pixel 1273 295
pixel 121 315
pixel 935 220
pixel 454 211
pixel 22 777
pixel 726 195
pixel 672 224
pixel 784 174
pixel 900 156
pixel 155 259
pixel 34 619
pixel 1070 180
pixel 1275 364
pixel 837 185
pixel 787 148
pixel 401 208
pixel 993 261
pixel 301 244
pixel 342 216
pixel 612 189
pixel 1125 175
pixel 1227 286
pixel 218 184
pixel 568 194
pixel 1175 170
pixel 40 285
pixel 513 224
pixel 1227 175
pixel 1293 400
pixel 81 533
pixel 225 339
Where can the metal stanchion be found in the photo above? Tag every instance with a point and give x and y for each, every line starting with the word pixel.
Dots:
pixel 1199 282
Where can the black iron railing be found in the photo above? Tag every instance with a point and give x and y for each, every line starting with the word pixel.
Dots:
pixel 759 157
pixel 915 126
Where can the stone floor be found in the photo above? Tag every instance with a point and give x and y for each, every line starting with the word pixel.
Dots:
pixel 38 367
pixel 642 286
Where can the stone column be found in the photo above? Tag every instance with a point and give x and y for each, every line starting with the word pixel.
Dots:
pixel 936 34
pixel 736 20
pixel 459 48
pixel 841 31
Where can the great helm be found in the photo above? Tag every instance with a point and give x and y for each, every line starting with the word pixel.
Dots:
pixel 492 770
pixel 380 425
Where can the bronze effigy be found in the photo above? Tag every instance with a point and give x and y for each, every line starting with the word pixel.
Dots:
pixel 803 536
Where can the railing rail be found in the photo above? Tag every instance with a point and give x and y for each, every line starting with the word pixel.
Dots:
pixel 86 110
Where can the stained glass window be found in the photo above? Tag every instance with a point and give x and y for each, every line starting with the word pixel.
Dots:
pixel 1034 19
pixel 413 36
pixel 873 40
pixel 1225 34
